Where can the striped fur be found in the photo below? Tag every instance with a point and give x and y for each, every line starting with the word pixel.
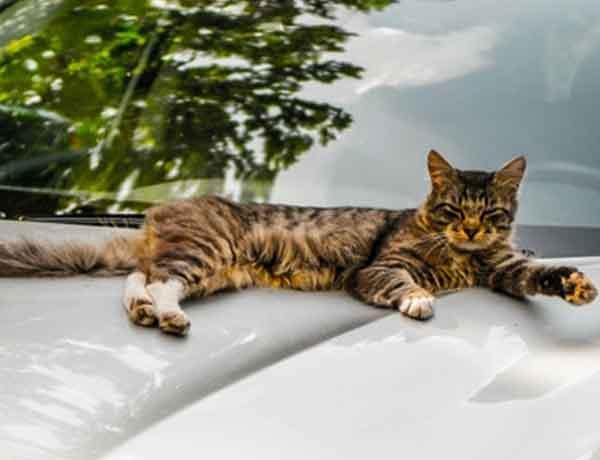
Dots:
pixel 27 257
pixel 458 238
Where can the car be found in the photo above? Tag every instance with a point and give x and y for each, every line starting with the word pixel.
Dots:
pixel 110 108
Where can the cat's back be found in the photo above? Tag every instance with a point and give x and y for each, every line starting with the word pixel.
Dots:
pixel 323 229
pixel 301 247
pixel 294 238
pixel 279 216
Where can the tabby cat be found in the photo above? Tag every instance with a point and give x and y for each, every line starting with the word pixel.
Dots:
pixel 459 237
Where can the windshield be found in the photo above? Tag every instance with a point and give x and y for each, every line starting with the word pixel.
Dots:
pixel 116 106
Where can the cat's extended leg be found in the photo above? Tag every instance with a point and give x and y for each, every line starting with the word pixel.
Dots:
pixel 166 297
pixel 137 301
pixel 392 287
pixel 516 275
pixel 174 277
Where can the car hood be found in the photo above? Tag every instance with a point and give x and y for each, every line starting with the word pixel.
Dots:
pixel 274 374
pixel 488 377
pixel 77 378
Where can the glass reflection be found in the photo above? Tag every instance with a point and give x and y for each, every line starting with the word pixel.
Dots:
pixel 161 98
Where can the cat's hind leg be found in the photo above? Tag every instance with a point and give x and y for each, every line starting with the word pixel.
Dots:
pixel 137 302
pixel 157 302
pixel 166 296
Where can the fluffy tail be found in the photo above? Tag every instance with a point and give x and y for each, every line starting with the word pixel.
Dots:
pixel 27 257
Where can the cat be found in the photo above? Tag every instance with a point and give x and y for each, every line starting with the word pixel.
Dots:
pixel 459 237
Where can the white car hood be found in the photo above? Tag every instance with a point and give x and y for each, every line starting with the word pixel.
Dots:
pixel 282 374
pixel 77 378
pixel 489 377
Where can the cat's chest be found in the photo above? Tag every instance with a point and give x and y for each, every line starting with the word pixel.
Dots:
pixel 458 269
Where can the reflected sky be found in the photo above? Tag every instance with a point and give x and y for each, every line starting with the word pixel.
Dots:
pixel 518 78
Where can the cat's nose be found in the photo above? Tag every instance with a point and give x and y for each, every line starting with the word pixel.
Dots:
pixel 471 232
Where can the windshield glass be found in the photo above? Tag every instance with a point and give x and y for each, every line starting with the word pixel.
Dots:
pixel 115 106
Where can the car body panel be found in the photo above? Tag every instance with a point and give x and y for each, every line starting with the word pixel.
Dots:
pixel 79 380
pixel 489 377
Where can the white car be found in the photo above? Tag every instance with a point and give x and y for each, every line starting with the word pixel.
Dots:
pixel 107 108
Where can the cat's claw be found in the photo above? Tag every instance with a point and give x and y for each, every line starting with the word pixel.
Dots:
pixel 174 322
pixel 417 306
pixel 578 289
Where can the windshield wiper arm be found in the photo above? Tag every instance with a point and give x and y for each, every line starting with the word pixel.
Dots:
pixel 99 220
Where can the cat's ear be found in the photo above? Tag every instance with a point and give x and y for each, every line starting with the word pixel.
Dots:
pixel 511 174
pixel 440 171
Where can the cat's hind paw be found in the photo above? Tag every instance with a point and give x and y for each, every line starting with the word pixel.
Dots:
pixel 417 305
pixel 174 322
pixel 142 312
pixel 137 302
pixel 578 289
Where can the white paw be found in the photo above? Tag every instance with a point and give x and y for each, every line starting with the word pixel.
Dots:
pixel 174 322
pixel 418 306
pixel 141 311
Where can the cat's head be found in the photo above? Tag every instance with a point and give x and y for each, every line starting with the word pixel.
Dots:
pixel 473 209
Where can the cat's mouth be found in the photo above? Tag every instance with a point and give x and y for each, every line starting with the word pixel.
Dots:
pixel 469 245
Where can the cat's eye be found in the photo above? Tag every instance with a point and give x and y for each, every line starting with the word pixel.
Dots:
pixel 496 214
pixel 449 211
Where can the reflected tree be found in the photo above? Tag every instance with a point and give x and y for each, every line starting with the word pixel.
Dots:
pixel 140 92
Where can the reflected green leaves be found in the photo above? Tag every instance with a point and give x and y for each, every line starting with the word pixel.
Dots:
pixel 161 91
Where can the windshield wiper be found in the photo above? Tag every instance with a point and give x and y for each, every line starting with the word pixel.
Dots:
pixel 99 220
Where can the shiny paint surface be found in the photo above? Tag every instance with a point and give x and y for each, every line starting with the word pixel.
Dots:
pixel 76 378
pixel 489 377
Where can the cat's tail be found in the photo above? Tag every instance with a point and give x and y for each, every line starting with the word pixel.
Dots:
pixel 28 257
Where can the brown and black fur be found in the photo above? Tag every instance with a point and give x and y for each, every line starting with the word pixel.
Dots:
pixel 458 238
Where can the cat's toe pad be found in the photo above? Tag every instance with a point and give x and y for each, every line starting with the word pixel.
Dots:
pixel 142 312
pixel 417 305
pixel 174 322
pixel 578 289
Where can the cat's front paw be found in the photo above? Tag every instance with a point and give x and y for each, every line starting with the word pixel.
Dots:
pixel 417 304
pixel 174 322
pixel 577 289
